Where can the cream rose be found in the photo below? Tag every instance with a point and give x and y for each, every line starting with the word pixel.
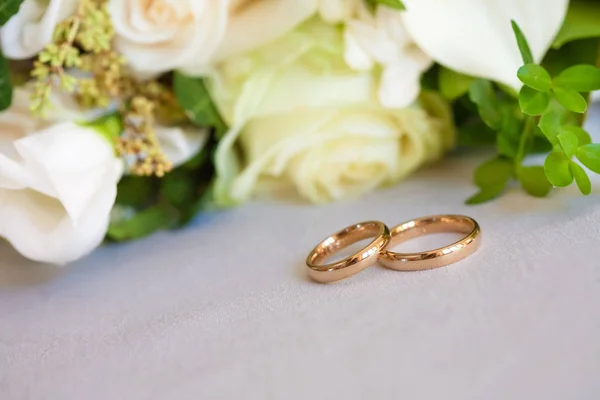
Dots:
pixel 301 116
pixel 31 29
pixel 58 183
pixel 251 23
pixel 161 35
pixel 157 36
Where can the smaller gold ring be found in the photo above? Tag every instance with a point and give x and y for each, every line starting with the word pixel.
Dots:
pixel 353 264
pixel 433 258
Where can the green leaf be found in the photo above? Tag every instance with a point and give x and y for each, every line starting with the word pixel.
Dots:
pixel 491 177
pixel 179 188
pixel 8 8
pixel 141 224
pixel 582 22
pixel 196 101
pixel 110 126
pixel 482 93
pixel 534 181
pixel 579 78
pixel 589 155
pixel 582 136
pixel 569 142
pixel 533 102
pixel 6 90
pixel 557 169
pixel 395 4
pixel 507 146
pixel 453 84
pixel 571 100
pixel 494 172
pixel 523 45
pixel 475 134
pixel 573 53
pixel 485 195
pixel 535 76
pixel 553 119
pixel 136 191
pixel 581 178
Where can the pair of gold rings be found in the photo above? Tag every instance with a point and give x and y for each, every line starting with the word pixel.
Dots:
pixel 383 237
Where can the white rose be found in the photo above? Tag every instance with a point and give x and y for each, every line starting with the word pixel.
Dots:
pixel 302 117
pixel 335 11
pixel 58 184
pixel 475 37
pixel 162 35
pixel 31 29
pixel 252 23
pixel 381 39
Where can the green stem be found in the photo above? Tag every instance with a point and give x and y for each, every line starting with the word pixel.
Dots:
pixel 523 142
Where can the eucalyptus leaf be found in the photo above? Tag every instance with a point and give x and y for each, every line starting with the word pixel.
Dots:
pixel 581 178
pixel 533 102
pixel 571 100
pixel 589 155
pixel 533 180
pixel 535 76
pixel 557 169
pixel 8 8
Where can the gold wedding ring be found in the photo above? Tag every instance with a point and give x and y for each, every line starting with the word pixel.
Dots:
pixel 434 258
pixel 353 264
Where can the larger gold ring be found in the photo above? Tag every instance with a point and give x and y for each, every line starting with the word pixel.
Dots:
pixel 353 264
pixel 434 258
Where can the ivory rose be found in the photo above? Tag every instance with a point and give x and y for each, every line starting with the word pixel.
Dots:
pixel 31 29
pixel 251 23
pixel 157 36
pixel 58 183
pixel 160 35
pixel 475 37
pixel 300 116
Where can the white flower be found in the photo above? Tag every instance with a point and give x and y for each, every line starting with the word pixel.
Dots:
pixel 381 39
pixel 252 23
pixel 301 116
pixel 335 11
pixel 57 187
pixel 31 29
pixel 475 37
pixel 179 144
pixel 162 35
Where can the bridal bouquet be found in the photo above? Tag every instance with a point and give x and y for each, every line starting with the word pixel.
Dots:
pixel 122 117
